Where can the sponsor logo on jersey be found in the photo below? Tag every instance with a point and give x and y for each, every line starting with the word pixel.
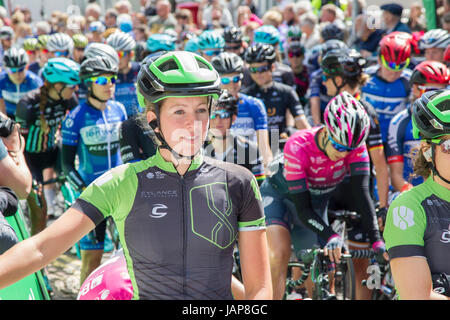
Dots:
pixel 403 217
pixel 100 133
pixel 445 237
pixel 159 210
pixel 156 175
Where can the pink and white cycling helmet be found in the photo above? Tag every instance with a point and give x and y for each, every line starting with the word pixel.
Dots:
pixel 347 121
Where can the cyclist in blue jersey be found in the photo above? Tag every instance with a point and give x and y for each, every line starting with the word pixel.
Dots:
pixel 251 121
pixel 388 87
pixel 91 131
pixel 318 97
pixel 124 44
pixel 40 113
pixel 16 80
pixel 428 75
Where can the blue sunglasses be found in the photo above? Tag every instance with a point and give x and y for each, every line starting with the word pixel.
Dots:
pixel 211 53
pixel 235 79
pixel 61 53
pixel 339 147
pixel 222 114
pixel 14 70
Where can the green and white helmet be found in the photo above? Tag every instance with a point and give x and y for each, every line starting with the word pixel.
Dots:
pixel 176 74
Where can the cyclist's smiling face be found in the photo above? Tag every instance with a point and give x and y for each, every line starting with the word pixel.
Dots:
pixel 184 123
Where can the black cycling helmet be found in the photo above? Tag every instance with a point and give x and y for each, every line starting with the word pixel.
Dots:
pixel 332 31
pixel 295 47
pixel 260 52
pixel 6 32
pixel 347 63
pixel 228 62
pixel 95 66
pixel 15 58
pixel 332 45
pixel 228 102
pixel 232 35
pixel 430 115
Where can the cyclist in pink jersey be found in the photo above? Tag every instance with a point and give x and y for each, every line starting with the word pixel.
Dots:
pixel 296 197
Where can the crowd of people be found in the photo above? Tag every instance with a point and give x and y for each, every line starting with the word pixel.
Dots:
pixel 198 127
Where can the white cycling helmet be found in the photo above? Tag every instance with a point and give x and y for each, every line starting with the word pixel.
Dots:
pixel 60 42
pixel 436 38
pixel 347 121
pixel 121 41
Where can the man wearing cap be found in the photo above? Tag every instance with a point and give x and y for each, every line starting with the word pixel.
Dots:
pixel 392 13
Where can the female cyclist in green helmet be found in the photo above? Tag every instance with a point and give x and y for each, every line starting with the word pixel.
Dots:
pixel 178 213
pixel 417 225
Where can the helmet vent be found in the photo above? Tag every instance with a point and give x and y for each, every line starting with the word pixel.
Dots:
pixel 202 65
pixel 436 124
pixel 168 65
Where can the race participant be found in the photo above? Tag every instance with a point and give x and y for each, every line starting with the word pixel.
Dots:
pixel 30 45
pixel 296 197
pixel 229 148
pixel 416 230
pixel 318 97
pixel 295 53
pixel 124 44
pixel 6 39
pixel 40 113
pixel 387 89
pixel 427 76
pixel 434 42
pixel 447 56
pixel 251 121
pixel 42 53
pixel 80 42
pixel 59 45
pixel 210 43
pixel 163 242
pixel 159 42
pixel 15 80
pixel 95 50
pixel 91 132
pixel 282 73
pixel 279 99
pixel 234 42
pixel 8 207
pixel 343 72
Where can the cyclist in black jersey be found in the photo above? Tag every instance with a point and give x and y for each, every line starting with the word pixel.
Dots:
pixel 281 101
pixel 178 213
pixel 417 230
pixel 343 71
pixel 40 113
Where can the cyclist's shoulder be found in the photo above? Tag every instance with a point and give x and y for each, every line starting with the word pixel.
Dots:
pixel 413 198
pixel 4 78
pixel 283 88
pixel 300 140
pixel 32 78
pixel 32 97
pixel 233 171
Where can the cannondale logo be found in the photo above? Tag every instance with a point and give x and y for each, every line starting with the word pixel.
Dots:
pixel 158 211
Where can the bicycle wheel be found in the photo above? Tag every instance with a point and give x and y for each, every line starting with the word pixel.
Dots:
pixel 345 280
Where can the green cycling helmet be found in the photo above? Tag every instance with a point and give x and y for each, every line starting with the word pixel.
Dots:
pixel 42 41
pixel 80 40
pixel 30 44
pixel 62 70
pixel 176 74
pixel 431 115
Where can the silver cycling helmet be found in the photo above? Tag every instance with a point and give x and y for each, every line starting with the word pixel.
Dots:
pixel 436 38
pixel 97 49
pixel 60 42
pixel 15 58
pixel 121 41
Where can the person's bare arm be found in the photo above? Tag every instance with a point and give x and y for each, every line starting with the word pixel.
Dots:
pixel 314 103
pixel 262 137
pixel 2 106
pixel 34 253
pixel 396 173
pixel 382 174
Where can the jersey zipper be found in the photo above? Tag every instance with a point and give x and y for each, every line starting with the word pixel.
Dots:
pixel 108 139
pixel 183 204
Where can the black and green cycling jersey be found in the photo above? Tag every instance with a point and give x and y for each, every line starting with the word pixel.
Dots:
pixel 418 224
pixel 177 232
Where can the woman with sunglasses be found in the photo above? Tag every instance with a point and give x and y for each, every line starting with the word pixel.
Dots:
pixel 91 131
pixel 314 163
pixel 124 45
pixel 59 45
pixel 427 76
pixel 178 213
pixel 417 225
pixel 15 80
pixel 210 43
pixel 388 89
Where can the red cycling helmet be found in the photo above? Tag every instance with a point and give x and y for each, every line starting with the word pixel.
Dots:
pixel 430 72
pixel 395 49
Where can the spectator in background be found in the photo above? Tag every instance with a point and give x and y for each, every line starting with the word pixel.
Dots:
pixel 446 21
pixel 123 6
pixel 92 12
pixel 96 29
pixel 310 30
pixel 367 34
pixel 163 19
pixel 273 17
pixel 244 16
pixel 42 27
pixel 111 18
pixel 125 22
pixel 141 33
pixel 205 13
pixel 303 6
pixel 147 8
pixel 416 20
pixel 328 13
pixel 349 10
pixel 252 6
pixel 290 14
pixel 392 14
pixel 23 31
pixel 185 21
